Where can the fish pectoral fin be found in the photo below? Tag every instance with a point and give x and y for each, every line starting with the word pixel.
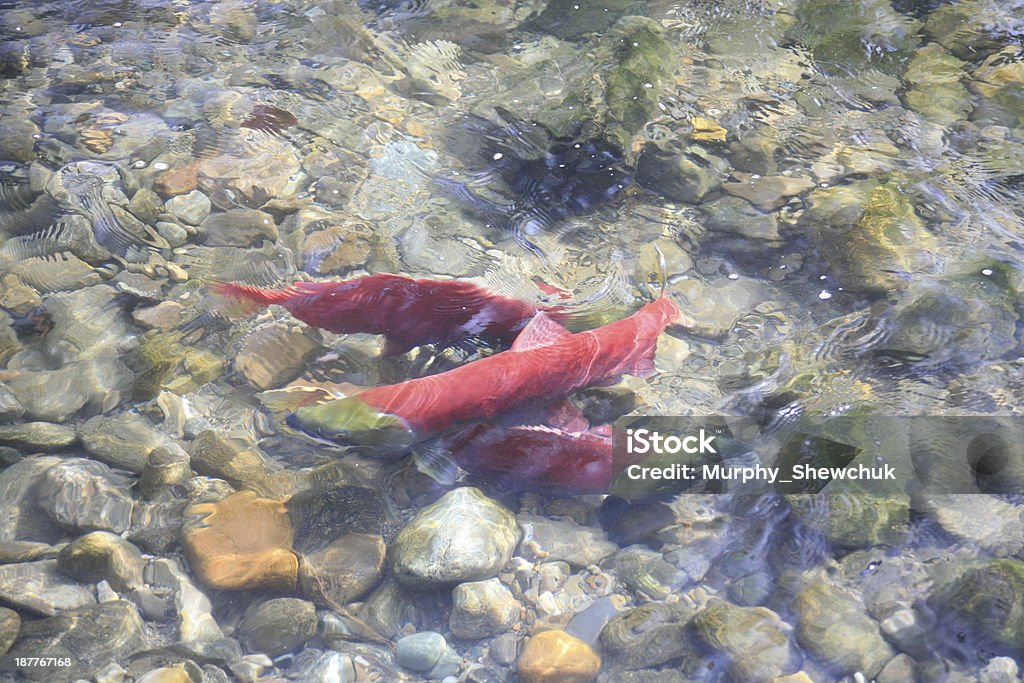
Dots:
pixel 540 331
pixel 290 399
pixel 433 459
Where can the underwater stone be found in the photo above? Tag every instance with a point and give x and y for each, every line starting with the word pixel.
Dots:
pixel 19 491
pixel 38 587
pixel 102 556
pixel 275 355
pixel 278 626
pixel 572 19
pixel 427 652
pixel 849 520
pixel 647 573
pixel 989 599
pixel 553 539
pixel 91 637
pixel 464 536
pixel 343 571
pixel 557 657
pixel 687 174
pixel 242 542
pixel 233 460
pixel 238 228
pixel 10 625
pixel 124 441
pixel 393 612
pixel 755 640
pixel 85 495
pixel 166 466
pixel 634 85
pixel 195 621
pixel 767 192
pixel 834 627
pixel 33 437
pixel 649 635
pixel 481 609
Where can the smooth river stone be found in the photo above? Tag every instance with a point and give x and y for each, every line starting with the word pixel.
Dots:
pixel 557 657
pixel 278 626
pixel 102 556
pixel 86 495
pixel 32 437
pixel 20 518
pixel 344 571
pixel 554 539
pixel 482 608
pixel 464 536
pixel 40 588
pixel 91 637
pixel 10 625
pixel 242 542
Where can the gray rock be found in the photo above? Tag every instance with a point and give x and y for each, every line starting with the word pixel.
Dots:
pixel 278 626
pixel 40 588
pixel 504 648
pixel 685 175
pixel 346 570
pixel 124 441
pixel 553 539
pixel 85 495
pixel 994 524
pixel 752 589
pixel 736 216
pixel 428 653
pixel 899 669
pixel 10 626
pixel 1000 670
pixel 91 637
pixel 20 518
pixel 239 228
pixel 464 536
pixel 26 551
pixel 481 609
pixel 33 437
pixel 166 466
pixel 649 635
pixel 96 383
pixel 102 556
pixel 195 621
pixel 647 573
pixel 754 640
pixel 392 612
pixel 190 208
pixel 83 321
pixel 588 624
pixel 835 629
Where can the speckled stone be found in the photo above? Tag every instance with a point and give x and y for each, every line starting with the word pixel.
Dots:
pixel 464 536
pixel 482 608
pixel 557 657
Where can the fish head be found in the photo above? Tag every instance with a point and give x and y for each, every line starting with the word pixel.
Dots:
pixel 351 422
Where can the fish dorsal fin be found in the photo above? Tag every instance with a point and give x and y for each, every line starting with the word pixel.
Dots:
pixel 540 331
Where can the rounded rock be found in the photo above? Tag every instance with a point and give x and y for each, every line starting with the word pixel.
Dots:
pixel 278 626
pixel 482 608
pixel 557 657
pixel 344 571
pixel 102 556
pixel 464 536
pixel 10 626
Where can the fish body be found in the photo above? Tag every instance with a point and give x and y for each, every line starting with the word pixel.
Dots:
pixel 408 312
pixel 546 362
pixel 579 461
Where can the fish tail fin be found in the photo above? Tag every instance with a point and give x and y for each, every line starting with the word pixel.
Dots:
pixel 240 299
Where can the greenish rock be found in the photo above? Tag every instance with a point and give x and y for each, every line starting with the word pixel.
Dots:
pixel 90 637
pixel 737 216
pixel 757 151
pixel 574 19
pixel 687 174
pixel 10 626
pixel 166 466
pixel 647 573
pixel 936 91
pixel 833 626
pixel 1000 82
pixel 12 552
pixel 564 539
pixel 853 521
pixel 643 62
pixel 157 358
pixel 754 640
pixel 481 609
pixel 464 536
pixel 33 437
pixel 870 233
pixel 123 441
pixel 238 228
pixel 649 635
pixel 146 205
pixel 970 29
pixel 102 556
pixel 989 599
pixel 838 35
pixel 278 626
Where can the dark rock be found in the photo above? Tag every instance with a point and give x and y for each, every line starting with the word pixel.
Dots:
pixel 343 571
pixel 278 626
pixel 321 516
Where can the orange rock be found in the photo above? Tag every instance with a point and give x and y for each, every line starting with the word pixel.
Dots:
pixel 557 657
pixel 178 180
pixel 242 542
